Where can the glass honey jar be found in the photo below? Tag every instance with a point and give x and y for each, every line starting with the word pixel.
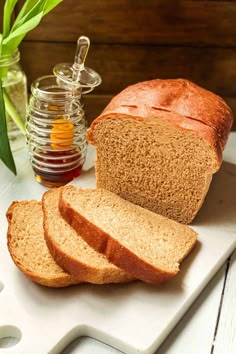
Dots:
pixel 56 124
pixel 55 133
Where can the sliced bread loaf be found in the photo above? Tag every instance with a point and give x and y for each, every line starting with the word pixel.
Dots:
pixel 158 144
pixel 147 245
pixel 28 248
pixel 71 252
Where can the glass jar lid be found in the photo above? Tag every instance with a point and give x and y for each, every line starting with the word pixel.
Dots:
pixel 77 76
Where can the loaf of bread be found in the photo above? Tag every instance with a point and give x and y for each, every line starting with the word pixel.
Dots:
pixel 144 244
pixel 158 144
pixel 28 248
pixel 71 252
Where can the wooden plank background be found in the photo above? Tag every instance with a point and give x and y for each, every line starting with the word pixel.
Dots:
pixel 135 40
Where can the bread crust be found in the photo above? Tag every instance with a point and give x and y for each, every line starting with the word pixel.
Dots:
pixel 58 282
pixel 114 251
pixel 179 102
pixel 74 265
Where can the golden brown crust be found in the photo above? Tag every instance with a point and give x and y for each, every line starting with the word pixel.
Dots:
pixel 62 259
pixel 75 266
pixel 59 281
pixel 114 251
pixel 180 102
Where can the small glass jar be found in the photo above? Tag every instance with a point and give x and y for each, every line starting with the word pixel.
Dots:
pixel 55 132
pixel 15 96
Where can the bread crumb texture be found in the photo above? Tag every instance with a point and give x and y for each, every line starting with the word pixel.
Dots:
pixel 28 248
pixel 72 252
pixel 157 166
pixel 152 238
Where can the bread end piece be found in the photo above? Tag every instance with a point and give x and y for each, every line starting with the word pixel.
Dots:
pixel 28 249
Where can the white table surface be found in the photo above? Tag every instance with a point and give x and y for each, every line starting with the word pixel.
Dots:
pixel 208 327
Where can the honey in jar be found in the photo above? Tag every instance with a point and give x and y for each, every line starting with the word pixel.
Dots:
pixel 56 125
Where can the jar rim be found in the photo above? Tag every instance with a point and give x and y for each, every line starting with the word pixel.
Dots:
pixel 46 87
pixel 10 58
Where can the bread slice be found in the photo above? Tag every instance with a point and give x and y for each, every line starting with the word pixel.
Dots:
pixel 147 245
pixel 28 248
pixel 158 144
pixel 71 252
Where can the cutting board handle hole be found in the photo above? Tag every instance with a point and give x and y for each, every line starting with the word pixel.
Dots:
pixel 1 286
pixel 9 336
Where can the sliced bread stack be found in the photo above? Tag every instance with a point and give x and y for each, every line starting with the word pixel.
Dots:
pixel 94 236
pixel 146 245
pixel 71 252
pixel 48 250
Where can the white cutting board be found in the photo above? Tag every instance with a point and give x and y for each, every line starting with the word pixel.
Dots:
pixel 134 318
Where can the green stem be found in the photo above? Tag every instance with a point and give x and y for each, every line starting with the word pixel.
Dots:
pixel 5 149
pixel 12 111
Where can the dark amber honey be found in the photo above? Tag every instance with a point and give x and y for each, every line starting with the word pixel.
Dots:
pixel 60 179
pixel 64 167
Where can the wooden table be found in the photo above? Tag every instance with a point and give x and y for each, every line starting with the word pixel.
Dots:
pixel 209 326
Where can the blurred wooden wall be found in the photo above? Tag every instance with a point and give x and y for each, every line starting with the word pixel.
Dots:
pixel 135 40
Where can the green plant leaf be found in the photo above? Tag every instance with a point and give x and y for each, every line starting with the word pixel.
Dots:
pixel 5 150
pixel 12 41
pixel 49 5
pixel 29 10
pixel 28 18
pixel 28 4
pixel 8 10
pixel 23 29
